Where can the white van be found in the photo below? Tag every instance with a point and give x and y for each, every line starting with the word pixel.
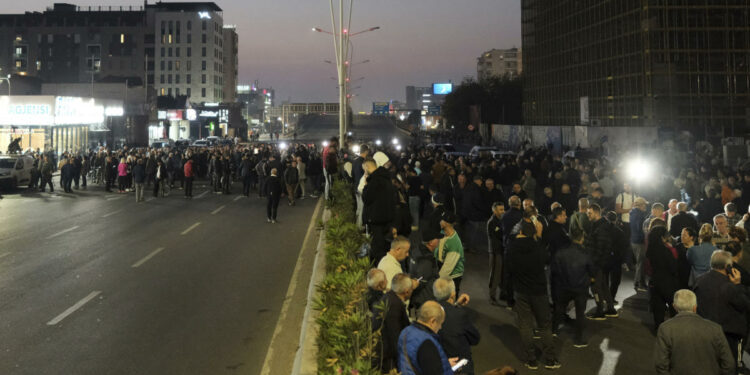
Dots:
pixel 15 170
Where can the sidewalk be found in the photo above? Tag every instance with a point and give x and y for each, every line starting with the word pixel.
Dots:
pixel 621 345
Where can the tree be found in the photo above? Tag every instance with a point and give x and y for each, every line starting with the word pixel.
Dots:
pixel 499 100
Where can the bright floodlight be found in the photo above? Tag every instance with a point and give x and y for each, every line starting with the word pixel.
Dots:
pixel 378 142
pixel 402 117
pixel 355 149
pixel 398 147
pixel 325 143
pixel 638 170
pixel 349 134
pixel 394 141
pixel 282 146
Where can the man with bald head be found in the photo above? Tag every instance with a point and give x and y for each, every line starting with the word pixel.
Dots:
pixel 419 347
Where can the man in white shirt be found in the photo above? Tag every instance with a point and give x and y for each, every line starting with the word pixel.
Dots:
pixel 672 212
pixel 390 264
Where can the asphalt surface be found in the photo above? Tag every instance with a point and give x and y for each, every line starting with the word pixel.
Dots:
pixel 94 283
pixel 364 128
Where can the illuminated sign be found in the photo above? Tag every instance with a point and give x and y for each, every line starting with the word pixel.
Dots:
pixel 209 114
pixel 191 115
pixel 174 115
pixel 204 15
pixel 71 111
pixel 442 88
pixel 161 115
pixel 52 110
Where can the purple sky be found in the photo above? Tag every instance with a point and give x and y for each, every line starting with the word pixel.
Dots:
pixel 420 42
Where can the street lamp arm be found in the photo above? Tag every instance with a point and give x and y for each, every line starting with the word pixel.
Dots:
pixel 365 31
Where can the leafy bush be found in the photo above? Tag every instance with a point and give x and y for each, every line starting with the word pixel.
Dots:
pixel 345 341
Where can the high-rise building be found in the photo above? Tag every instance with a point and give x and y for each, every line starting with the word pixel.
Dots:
pixel 680 64
pixel 415 97
pixel 499 62
pixel 231 55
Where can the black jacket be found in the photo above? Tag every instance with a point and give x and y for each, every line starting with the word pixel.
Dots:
pixel 527 260
pixel 474 206
pixel 273 187
pixel 665 271
pixel 393 321
pixel 680 221
pixel 599 243
pixel 458 333
pixel 291 176
pixel 557 237
pixel 139 173
pixel 722 302
pixel 572 268
pixel 509 220
pixel 495 235
pixel 379 200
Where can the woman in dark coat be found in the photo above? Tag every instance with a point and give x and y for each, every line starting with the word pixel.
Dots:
pixel 663 266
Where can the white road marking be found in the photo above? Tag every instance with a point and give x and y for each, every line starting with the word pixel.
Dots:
pixel 266 370
pixel 63 232
pixel 610 357
pixel 112 213
pixel 238 198
pixel 186 231
pixel 202 194
pixel 216 211
pixel 147 257
pixel 150 199
pixel 73 308
pixel 4 255
pixel 114 199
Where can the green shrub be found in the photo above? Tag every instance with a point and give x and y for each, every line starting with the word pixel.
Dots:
pixel 345 340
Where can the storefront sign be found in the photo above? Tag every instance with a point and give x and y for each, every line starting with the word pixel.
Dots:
pixel 174 115
pixel 191 114
pixel 161 115
pixel 72 111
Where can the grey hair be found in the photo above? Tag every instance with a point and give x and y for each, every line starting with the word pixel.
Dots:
pixel 684 301
pixel 719 216
pixel 720 259
pixel 375 277
pixel 401 283
pixel 442 288
pixel 682 207
pixel 430 310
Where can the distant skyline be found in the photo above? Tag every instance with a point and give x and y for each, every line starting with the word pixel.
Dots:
pixel 420 42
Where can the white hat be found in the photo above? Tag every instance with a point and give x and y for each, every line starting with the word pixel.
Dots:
pixel 380 158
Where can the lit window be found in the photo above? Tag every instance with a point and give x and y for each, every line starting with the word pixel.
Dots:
pixel 163 91
pixel 170 39
pixel 122 38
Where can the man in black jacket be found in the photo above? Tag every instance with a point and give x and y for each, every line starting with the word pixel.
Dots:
pixel 476 212
pixel 379 201
pixel 723 300
pixel 273 192
pixel 509 220
pixel 391 316
pixel 66 175
pixel 600 248
pixel 682 220
pixel 572 271
pixel 495 249
pixel 458 334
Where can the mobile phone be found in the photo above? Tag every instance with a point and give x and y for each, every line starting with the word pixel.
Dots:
pixel 460 364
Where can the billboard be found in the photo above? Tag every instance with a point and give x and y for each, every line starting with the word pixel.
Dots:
pixel 442 88
pixel 45 110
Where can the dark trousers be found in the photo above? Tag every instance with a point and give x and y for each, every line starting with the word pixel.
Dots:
pixel 495 279
pixel 530 309
pixel 507 283
pixel 602 293
pixel 660 301
pixel 226 183
pixel 378 244
pixel 121 180
pixel 246 183
pixel 615 277
pixel 561 304
pixel 83 179
pixel 47 181
pixel 149 178
pixel 188 186
pixel 216 182
pixel 77 179
pixel 261 185
pixel 736 345
pixel 108 184
pixel 272 208
pixel 67 182
pixel 156 186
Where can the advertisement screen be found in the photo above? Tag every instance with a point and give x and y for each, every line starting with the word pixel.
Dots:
pixel 442 88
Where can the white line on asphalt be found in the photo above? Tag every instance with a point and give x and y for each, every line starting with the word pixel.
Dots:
pixel 114 199
pixel 150 199
pixel 202 194
pixel 266 370
pixel 111 196
pixel 191 228
pixel 238 198
pixel 112 213
pixel 147 257
pixel 216 211
pixel 73 308
pixel 4 255
pixel 63 232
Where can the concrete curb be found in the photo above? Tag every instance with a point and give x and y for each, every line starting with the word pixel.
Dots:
pixel 306 361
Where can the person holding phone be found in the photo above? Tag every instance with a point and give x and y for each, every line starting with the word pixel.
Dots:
pixel 419 347
pixel 458 334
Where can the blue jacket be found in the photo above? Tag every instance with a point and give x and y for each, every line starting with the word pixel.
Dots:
pixel 637 217
pixel 409 342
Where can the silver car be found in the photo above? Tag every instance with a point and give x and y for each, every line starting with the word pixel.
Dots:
pixel 15 170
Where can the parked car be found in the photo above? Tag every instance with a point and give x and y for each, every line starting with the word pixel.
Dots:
pixel 15 170
pixel 480 151
pixel 161 143
pixel 446 147
pixel 201 143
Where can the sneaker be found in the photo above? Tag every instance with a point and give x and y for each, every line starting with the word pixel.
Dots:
pixel 596 316
pixel 314 196
pixel 640 289
pixel 268 220
pixel 611 313
pixel 535 334
pixel 273 221
pixel 532 365
pixel 580 344
pixel 552 365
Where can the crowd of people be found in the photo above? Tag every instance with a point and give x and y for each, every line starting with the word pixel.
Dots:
pixel 559 232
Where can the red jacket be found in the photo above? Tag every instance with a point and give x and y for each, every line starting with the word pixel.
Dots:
pixel 189 169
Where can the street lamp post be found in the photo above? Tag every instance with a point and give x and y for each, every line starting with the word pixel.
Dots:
pixel 7 79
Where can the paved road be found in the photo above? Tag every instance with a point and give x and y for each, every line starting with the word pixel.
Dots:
pixel 365 128
pixel 93 283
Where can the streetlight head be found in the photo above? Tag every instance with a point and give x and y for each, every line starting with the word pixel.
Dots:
pixel 314 29
pixel 375 28
pixel 346 31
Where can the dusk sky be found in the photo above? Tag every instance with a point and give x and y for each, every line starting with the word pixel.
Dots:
pixel 420 42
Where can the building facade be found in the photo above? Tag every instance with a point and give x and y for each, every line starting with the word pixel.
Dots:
pixel 415 97
pixel 231 61
pixel 681 64
pixel 500 63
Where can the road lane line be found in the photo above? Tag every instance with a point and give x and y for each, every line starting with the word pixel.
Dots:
pixel 73 308
pixel 147 257
pixel 186 231
pixel 216 211
pixel 202 194
pixel 112 213
pixel 114 199
pixel 4 255
pixel 238 198
pixel 266 369
pixel 63 232
pixel 150 199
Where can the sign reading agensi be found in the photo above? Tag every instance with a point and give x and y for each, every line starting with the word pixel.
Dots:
pixel 43 110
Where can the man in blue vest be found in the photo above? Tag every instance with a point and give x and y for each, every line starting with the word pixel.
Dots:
pixel 419 348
